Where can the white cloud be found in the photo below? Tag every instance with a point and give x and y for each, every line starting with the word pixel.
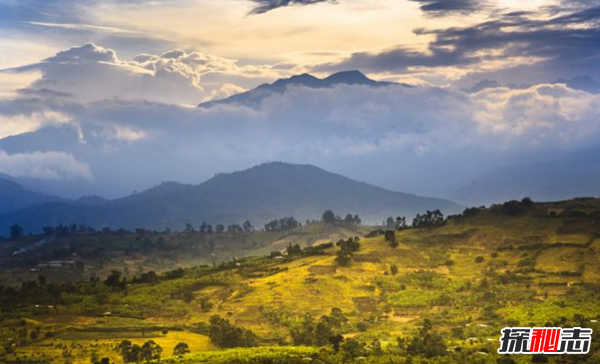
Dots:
pixel 52 166
pixel 414 137
pixel 91 73
pixel 225 91
pixel 542 116
pixel 25 123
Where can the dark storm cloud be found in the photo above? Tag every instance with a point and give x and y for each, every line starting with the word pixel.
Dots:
pixel 564 41
pixel 444 7
pixel 264 6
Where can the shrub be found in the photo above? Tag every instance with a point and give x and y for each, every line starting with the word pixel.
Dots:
pixel 227 335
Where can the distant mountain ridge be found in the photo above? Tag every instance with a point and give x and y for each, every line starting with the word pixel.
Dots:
pixel 253 97
pixel 261 193
pixel 580 83
pixel 566 177
pixel 15 196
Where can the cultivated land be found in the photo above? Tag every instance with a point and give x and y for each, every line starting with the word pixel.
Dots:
pixel 454 285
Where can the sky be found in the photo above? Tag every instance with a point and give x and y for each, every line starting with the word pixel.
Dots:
pixel 99 96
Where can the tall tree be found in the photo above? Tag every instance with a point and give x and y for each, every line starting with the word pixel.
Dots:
pixel 16 231
pixel 328 216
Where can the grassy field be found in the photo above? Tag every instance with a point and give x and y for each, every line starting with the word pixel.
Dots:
pixel 469 278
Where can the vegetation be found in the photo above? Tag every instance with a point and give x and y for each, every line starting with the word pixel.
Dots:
pixel 441 295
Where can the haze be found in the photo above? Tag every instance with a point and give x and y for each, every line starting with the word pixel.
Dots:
pixel 100 97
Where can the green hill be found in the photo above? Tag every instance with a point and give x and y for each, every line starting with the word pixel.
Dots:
pixel 458 284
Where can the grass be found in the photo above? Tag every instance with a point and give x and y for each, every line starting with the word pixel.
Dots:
pixel 533 270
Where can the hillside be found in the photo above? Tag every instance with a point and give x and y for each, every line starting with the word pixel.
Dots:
pixel 455 285
pixel 259 194
pixel 14 196
pixel 567 176
pixel 97 253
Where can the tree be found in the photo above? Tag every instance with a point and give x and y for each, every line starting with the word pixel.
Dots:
pixel 305 334
pixel 347 249
pixel 181 349
pixel 336 341
pixel 336 317
pixel 285 223
pixel 527 202
pixel 247 226
pixel 220 228
pixel 16 231
pixel 150 351
pixel 227 335
pixel 343 257
pixel 514 208
pixel 352 349
pixel 328 217
pixel 322 333
pixel 389 222
pixel 293 250
pixel 189 228
pixel 400 223
pixel 390 238
pixel 506 360
pixel 114 279
pixel 429 219
pixel 427 343
pixel 48 230
pixel 129 352
pixel 235 228
pixel 102 361
pixel 349 220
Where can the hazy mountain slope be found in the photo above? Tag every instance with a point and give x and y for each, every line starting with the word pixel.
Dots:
pixel 563 178
pixel 254 97
pixel 261 193
pixel 14 196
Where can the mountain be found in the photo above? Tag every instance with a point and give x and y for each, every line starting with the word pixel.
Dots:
pixel 570 176
pixel 581 83
pixel 483 85
pixel 261 193
pixel 254 97
pixel 15 196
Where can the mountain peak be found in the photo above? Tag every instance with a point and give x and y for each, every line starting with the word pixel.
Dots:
pixel 254 97
pixel 349 77
pixel 304 79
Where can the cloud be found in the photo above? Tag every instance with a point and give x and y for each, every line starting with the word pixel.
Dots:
pixel 540 46
pixel 436 133
pixel 27 122
pixel 445 7
pixel 264 6
pixel 52 166
pixel 225 91
pixel 83 27
pixel 90 73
